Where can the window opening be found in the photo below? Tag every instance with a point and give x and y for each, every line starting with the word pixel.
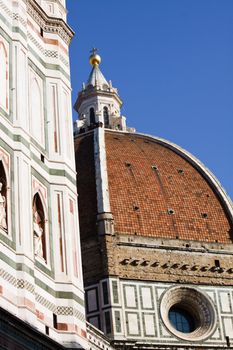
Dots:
pixel 228 341
pixel 181 319
pixel 106 117
pixel 55 321
pixel 171 211
pixel 107 322
pixel 105 292
pixel 92 116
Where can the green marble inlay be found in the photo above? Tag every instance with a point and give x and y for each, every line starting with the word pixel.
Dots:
pixel 18 30
pixel 54 172
pixel 144 324
pixel 7 240
pixel 125 296
pixel 4 129
pixel 45 287
pixel 49 65
pixel 150 298
pixel 118 321
pixel 45 269
pixel 115 292
pixel 38 161
pixel 60 172
pixel 24 268
pixel 3 19
pixel 6 115
pixel 19 138
pixel 7 260
pixel 59 294
pixel 16 266
pixel 138 324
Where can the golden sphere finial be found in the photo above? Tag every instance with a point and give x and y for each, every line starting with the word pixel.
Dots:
pixel 94 59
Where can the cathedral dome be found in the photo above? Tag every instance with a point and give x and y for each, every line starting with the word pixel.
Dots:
pixel 157 189
pixel 151 187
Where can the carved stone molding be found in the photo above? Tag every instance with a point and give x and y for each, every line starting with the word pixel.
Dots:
pixel 49 24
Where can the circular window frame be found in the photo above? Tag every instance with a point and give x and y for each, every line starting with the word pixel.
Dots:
pixel 197 303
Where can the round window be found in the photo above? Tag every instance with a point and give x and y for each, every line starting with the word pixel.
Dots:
pixel 188 313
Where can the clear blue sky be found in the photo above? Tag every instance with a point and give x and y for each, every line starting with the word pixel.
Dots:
pixel 172 62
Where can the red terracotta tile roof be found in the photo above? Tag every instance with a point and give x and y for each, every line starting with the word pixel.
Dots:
pixel 155 191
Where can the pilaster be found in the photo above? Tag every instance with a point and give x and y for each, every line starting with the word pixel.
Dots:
pixel 104 217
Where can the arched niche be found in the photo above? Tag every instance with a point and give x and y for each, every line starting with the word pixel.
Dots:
pixel 3 198
pixel 39 227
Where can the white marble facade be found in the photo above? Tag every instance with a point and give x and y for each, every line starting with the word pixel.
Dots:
pixel 40 270
pixel 136 312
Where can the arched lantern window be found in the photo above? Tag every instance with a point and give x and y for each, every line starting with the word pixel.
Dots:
pixel 106 117
pixel 92 116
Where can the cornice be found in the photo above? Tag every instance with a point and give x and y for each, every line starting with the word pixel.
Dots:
pixel 49 24
pixel 94 92
pixel 60 5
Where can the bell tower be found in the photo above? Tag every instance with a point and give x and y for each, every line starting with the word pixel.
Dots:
pixel 56 9
pixel 41 276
